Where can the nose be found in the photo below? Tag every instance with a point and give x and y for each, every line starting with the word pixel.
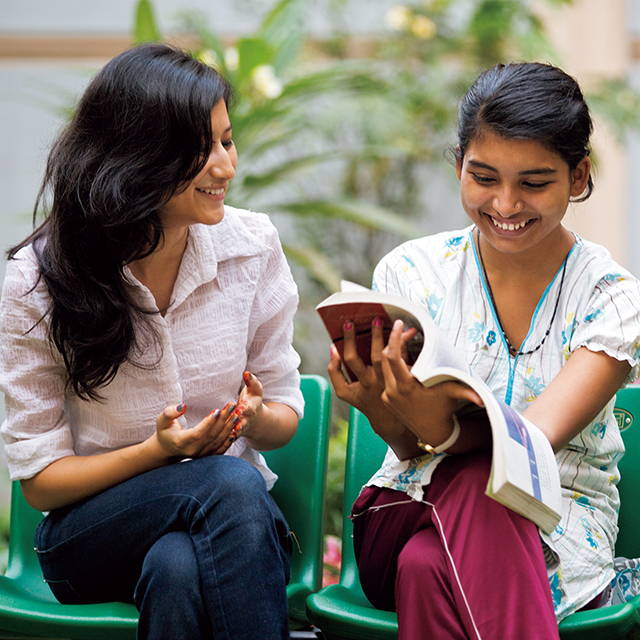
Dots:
pixel 220 164
pixel 506 203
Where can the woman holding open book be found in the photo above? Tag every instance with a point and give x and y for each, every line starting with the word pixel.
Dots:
pixel 146 360
pixel 552 324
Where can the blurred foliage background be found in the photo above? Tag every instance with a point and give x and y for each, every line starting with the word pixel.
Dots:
pixel 343 141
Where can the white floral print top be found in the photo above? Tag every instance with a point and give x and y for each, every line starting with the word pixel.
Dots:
pixel 599 308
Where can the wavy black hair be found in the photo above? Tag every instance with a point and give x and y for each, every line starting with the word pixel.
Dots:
pixel 528 101
pixel 140 134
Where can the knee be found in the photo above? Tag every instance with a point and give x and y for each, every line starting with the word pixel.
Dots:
pixel 169 568
pixel 422 561
pixel 237 497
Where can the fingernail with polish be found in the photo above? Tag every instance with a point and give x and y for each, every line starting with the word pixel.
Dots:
pixel 216 414
pixel 348 326
pixel 235 419
pixel 181 407
pixel 377 322
pixel 232 439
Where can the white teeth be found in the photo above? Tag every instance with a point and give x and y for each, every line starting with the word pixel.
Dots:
pixel 509 226
pixel 213 192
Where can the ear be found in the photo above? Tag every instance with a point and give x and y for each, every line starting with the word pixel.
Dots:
pixel 458 162
pixel 580 177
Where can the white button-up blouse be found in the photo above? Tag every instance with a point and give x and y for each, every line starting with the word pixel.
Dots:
pixel 232 310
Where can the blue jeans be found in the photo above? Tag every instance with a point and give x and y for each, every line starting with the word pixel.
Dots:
pixel 200 547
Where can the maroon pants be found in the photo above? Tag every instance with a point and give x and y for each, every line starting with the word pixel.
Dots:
pixel 461 567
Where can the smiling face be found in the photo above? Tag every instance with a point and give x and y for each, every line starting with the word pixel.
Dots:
pixel 517 192
pixel 202 201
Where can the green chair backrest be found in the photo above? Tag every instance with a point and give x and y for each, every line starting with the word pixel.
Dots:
pixel 627 412
pixel 22 564
pixel 365 452
pixel 302 469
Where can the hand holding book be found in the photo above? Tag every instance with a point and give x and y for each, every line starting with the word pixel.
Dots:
pixel 524 473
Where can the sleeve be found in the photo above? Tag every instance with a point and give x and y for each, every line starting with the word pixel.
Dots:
pixel 271 355
pixel 610 320
pixel 35 431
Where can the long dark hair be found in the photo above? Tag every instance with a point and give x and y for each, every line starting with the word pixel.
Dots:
pixel 528 101
pixel 141 132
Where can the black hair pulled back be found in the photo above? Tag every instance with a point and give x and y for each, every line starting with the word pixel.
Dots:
pixel 141 132
pixel 528 101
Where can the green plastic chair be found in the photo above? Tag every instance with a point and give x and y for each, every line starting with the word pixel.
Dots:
pixel 342 611
pixel 29 610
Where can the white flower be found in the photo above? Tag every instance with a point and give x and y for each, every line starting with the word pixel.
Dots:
pixel 209 57
pixel 266 81
pixel 231 58
pixel 397 17
pixel 423 27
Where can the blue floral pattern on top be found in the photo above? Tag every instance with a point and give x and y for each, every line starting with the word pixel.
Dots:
pixel 597 309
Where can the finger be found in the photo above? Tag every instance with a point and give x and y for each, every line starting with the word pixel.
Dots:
pixel 394 368
pixel 336 375
pixel 377 344
pixel 219 427
pixel 253 385
pixel 350 355
pixel 169 414
pixel 458 391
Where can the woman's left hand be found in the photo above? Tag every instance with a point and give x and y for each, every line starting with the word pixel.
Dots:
pixel 426 411
pixel 249 409
pixel 267 425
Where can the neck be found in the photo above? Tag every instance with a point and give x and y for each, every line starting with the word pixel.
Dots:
pixel 535 263
pixel 167 254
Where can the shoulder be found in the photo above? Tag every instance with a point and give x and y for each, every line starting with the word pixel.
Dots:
pixel 240 234
pixel 22 275
pixel 440 247
pixel 593 266
pixel 258 225
pixel 443 254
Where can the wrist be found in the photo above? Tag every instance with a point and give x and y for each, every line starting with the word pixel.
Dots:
pixel 449 442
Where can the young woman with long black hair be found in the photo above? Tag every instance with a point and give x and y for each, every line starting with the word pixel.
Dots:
pixel 145 323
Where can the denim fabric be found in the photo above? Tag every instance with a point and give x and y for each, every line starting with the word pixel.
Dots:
pixel 200 547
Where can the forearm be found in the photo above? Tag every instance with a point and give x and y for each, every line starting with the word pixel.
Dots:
pixel 74 478
pixel 273 428
pixel 475 434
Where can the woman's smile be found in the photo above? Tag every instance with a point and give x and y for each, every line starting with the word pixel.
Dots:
pixel 510 226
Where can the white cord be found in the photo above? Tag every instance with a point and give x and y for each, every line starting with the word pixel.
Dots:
pixel 455 571
pixel 444 544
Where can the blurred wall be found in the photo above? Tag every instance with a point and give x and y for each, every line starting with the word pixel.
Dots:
pixel 594 39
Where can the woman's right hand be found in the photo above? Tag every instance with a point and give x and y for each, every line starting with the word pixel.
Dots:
pixel 209 437
pixel 365 393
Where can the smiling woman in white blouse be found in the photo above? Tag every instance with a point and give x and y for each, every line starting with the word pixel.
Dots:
pixel 145 323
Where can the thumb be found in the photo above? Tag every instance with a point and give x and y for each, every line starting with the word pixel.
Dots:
pixel 254 386
pixel 169 414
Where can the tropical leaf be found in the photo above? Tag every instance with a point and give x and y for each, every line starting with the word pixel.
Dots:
pixel 253 52
pixel 283 31
pixel 316 264
pixel 359 212
pixel 145 29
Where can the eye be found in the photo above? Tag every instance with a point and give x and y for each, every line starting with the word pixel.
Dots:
pixel 483 179
pixel 227 144
pixel 536 186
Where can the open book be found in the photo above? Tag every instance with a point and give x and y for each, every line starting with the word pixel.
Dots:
pixel 524 475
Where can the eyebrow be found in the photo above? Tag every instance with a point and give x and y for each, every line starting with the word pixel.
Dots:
pixel 543 171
